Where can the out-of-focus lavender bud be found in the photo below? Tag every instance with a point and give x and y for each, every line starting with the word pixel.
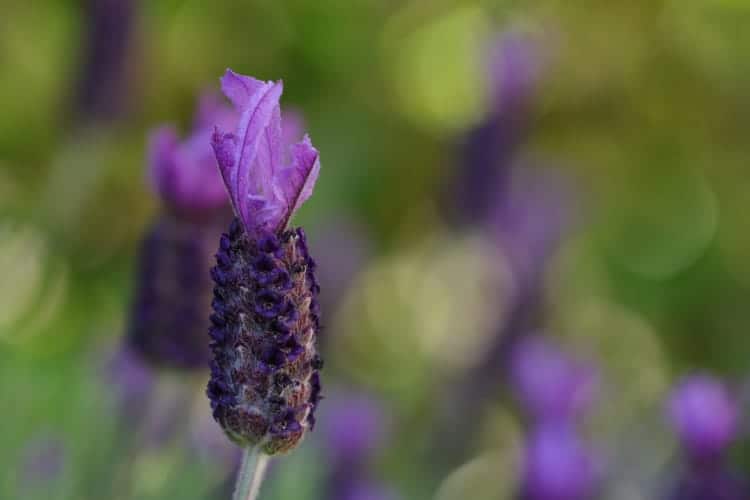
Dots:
pixel 514 68
pixel 167 324
pixel 184 173
pixel 342 247
pixel 558 466
pixel 132 380
pixel 355 427
pixel 365 490
pixel 705 416
pixel 173 287
pixel 42 462
pixel 265 383
pixel 550 385
pixel 490 149
pixel 529 220
pixel 110 26
pixel 711 483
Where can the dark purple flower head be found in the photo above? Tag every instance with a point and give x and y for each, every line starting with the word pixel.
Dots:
pixel 184 173
pixel 550 385
pixel 173 292
pixel 558 466
pixel 265 190
pixel 265 383
pixel 705 416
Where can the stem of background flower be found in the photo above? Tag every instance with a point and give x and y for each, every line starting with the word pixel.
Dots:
pixel 250 475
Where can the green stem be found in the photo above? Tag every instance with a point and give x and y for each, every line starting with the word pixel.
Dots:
pixel 250 475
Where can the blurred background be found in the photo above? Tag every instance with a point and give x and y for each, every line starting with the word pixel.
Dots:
pixel 528 225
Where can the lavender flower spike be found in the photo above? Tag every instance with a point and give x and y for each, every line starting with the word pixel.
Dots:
pixel 264 385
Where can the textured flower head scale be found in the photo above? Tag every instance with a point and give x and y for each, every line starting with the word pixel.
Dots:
pixel 264 385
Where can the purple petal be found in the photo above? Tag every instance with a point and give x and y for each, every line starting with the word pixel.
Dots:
pixel 163 144
pixel 239 88
pixel 297 181
pixel 292 129
pixel 255 177
pixel 224 146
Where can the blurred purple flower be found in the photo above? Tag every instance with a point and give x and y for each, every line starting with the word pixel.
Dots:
pixel 42 461
pixel 514 66
pixel 710 484
pixel 354 427
pixel 354 431
pixel 365 490
pixel 550 385
pixel 184 173
pixel 168 320
pixel 491 148
pixel 110 26
pixel 132 381
pixel 705 416
pixel 558 466
pixel 529 221
pixel 343 247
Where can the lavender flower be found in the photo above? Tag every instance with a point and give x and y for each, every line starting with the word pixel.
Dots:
pixel 558 466
pixel 264 385
pixel 43 462
pixel 490 149
pixel 550 385
pixel 173 287
pixel 355 429
pixel 365 490
pixel 103 85
pixel 705 416
pixel 354 432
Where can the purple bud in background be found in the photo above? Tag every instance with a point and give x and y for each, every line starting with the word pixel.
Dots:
pixel 490 149
pixel 705 416
pixel 514 68
pixel 265 382
pixel 529 220
pixel 558 466
pixel 173 286
pixel 365 490
pixel 550 385
pixel 104 80
pixel 42 462
pixel 132 381
pixel 184 173
pixel 355 427
pixel 343 247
